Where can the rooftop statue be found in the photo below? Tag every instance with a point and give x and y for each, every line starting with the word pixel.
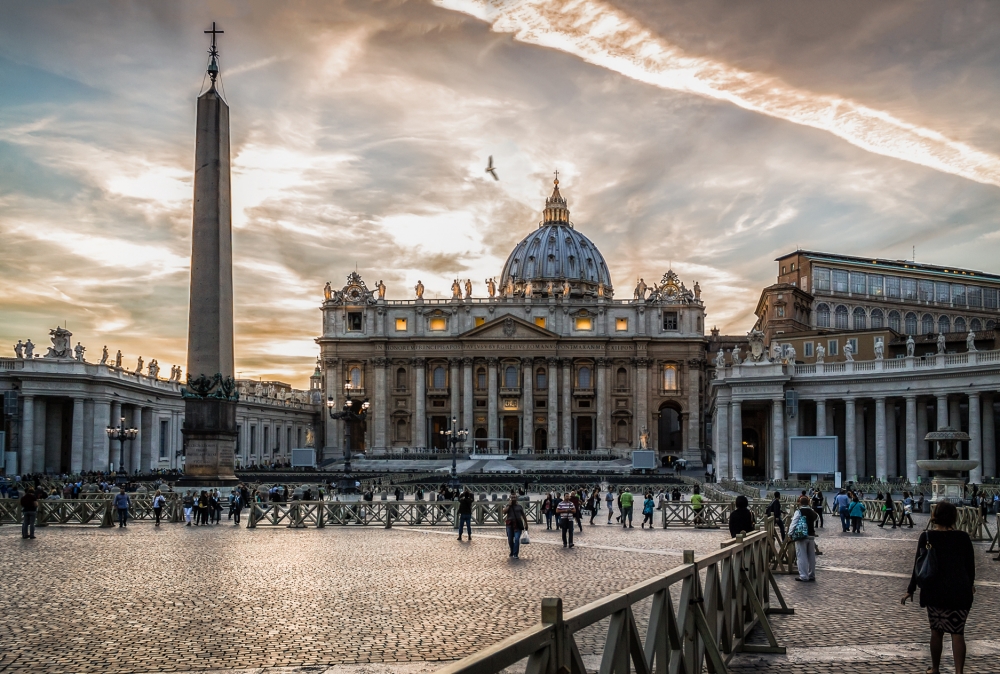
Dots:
pixel 468 288
pixel 849 353
pixel 381 289
pixel 29 349
pixel 19 349
pixel 970 341
pixel 456 290
pixel 419 289
pixel 491 287
pixel 941 343
pixel 820 353
pixel 78 351
pixel 61 344
pixel 910 346
pixel 104 355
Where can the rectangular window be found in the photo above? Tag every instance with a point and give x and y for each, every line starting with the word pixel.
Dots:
pixel 540 321
pixel 975 296
pixel 832 347
pixel 266 449
pixel 839 281
pixel 540 402
pixel 821 278
pixel 253 439
pixel 621 324
pixel 779 312
pixel 669 377
pixel 807 349
pixel 942 293
pixel 354 321
pixel 400 325
pixel 958 294
pixel 990 298
pixel 437 324
pixel 909 288
pixel 875 285
pixel 480 320
pixel 165 438
pixel 925 291
pixel 670 320
pixel 853 341
pixel 892 287
pixel 584 323
pixel 859 283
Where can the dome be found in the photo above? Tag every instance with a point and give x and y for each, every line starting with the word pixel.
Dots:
pixel 557 253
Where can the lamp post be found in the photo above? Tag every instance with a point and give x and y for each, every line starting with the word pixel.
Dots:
pixel 454 436
pixel 348 415
pixel 121 434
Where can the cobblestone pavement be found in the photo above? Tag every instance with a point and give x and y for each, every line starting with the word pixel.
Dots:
pixel 350 600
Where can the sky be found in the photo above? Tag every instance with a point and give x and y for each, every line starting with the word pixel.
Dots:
pixel 705 136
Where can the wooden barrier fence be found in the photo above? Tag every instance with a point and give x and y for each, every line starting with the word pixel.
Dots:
pixel 98 511
pixel 319 514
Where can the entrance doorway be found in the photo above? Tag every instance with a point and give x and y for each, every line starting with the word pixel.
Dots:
pixel 584 434
pixel 668 433
pixel 480 438
pixel 356 436
pixel 512 431
pixel 438 441
pixel 753 460
pixel 541 440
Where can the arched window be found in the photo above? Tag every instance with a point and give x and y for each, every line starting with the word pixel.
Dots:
pixel 960 325
pixel 878 318
pixel 401 378
pixel 356 377
pixel 510 377
pixel 927 324
pixel 401 430
pixel 894 322
pixel 911 323
pixel 840 317
pixel 583 377
pixel 991 324
pixel 669 377
pixel 621 379
pixel 860 320
pixel 944 324
pixel 541 381
pixel 976 325
pixel 823 316
pixel 481 378
pixel 621 431
pixel 440 379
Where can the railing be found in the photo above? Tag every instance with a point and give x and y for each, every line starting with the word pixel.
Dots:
pixel 319 514
pixel 995 544
pixel 98 511
pixel 972 522
pixel 711 621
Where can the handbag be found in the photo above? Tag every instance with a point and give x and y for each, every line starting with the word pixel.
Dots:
pixel 524 538
pixel 926 565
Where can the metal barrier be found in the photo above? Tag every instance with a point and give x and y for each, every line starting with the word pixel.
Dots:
pixel 710 623
pixel 972 522
pixel 98 511
pixel 319 514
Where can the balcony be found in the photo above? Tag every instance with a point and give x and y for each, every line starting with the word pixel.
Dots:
pixel 510 390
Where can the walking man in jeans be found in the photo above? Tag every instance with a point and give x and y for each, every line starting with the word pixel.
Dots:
pixel 121 504
pixel 842 504
pixel 465 512
pixel 565 511
pixel 29 510
pixel 626 508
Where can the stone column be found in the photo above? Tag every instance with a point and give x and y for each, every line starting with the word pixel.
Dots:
pixel 527 405
pixel 455 392
pixel 567 404
pixel 941 407
pixel 145 459
pixel 975 438
pixel 693 449
pixel 911 438
pixel 468 420
pixel 989 438
pixel 820 417
pixel 922 446
pixel 552 379
pixel 420 404
pixel 722 441
pixel 26 463
pixel 88 435
pixel 891 441
pixel 602 404
pixel 955 413
pixel 778 437
pixel 76 446
pixel 381 405
pixel 102 444
pixel 862 442
pixel 642 398
pixel 115 452
pixel 492 420
pixel 333 431
pixel 880 444
pixel 736 441
pixel 850 441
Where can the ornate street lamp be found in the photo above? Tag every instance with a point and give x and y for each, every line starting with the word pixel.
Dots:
pixel 121 434
pixel 353 411
pixel 454 436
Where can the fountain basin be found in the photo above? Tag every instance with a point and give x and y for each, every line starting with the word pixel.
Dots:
pixel 947 465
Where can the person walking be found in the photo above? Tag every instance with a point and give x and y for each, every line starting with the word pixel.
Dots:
pixel 841 505
pixel 817 503
pixel 549 508
pixel 565 513
pixel 697 501
pixel 514 520
pixel 741 519
pixel 803 531
pixel 888 510
pixel 945 581
pixel 856 512
pixel 236 506
pixel 465 512
pixel 626 507
pixel 188 503
pixel 592 502
pixel 158 503
pixel 907 509
pixel 774 508
pixel 609 500
pixel 578 509
pixel 647 510
pixel 121 505
pixel 29 511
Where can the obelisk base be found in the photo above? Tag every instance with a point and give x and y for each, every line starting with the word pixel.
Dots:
pixel 210 443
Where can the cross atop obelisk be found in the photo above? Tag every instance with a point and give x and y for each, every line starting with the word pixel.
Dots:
pixel 213 54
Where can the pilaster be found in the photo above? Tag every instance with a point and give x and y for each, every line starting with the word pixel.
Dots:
pixel 420 404
pixel 527 405
pixel 975 438
pixel 76 442
pixel 492 418
pixel 850 440
pixel 778 437
pixel 552 379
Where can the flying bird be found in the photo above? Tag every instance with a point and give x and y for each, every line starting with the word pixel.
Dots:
pixel 492 169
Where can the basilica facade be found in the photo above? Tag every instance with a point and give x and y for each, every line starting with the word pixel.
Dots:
pixel 548 361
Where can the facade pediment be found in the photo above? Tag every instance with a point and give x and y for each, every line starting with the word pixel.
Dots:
pixel 507 328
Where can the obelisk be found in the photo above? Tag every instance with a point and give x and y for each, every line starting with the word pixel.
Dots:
pixel 210 394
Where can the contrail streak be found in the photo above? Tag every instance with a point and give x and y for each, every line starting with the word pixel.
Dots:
pixel 606 37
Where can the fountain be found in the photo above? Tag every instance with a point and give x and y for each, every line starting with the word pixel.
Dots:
pixel 948 484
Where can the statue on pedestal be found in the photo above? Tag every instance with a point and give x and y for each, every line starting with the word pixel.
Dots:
pixel 491 287
pixel 910 346
pixel 61 344
pixel 820 354
pixel 970 342
pixel 879 350
pixel 848 352
pixel 456 290
pixel 419 289
pixel 78 351
pixel 528 290
pixel 328 291
pixel 381 289
pixel 138 367
pixel 941 343
pixel 566 288
pixel 600 289
pixel 549 289
pixel 104 355
pixel 29 349
pixel 735 354
pixel 720 358
pixel 790 354
pixel 118 359
pixel 697 291
pixel 644 438
pixel 154 369
pixel 19 349
pixel 468 288
pixel 640 290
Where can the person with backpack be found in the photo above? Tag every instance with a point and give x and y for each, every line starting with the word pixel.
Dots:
pixel 803 532
pixel 121 505
pixel 625 501
pixel 158 503
pixel 774 508
pixel 944 569
pixel 647 510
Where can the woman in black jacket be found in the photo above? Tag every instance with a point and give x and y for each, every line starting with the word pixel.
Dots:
pixel 948 593
pixel 741 519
